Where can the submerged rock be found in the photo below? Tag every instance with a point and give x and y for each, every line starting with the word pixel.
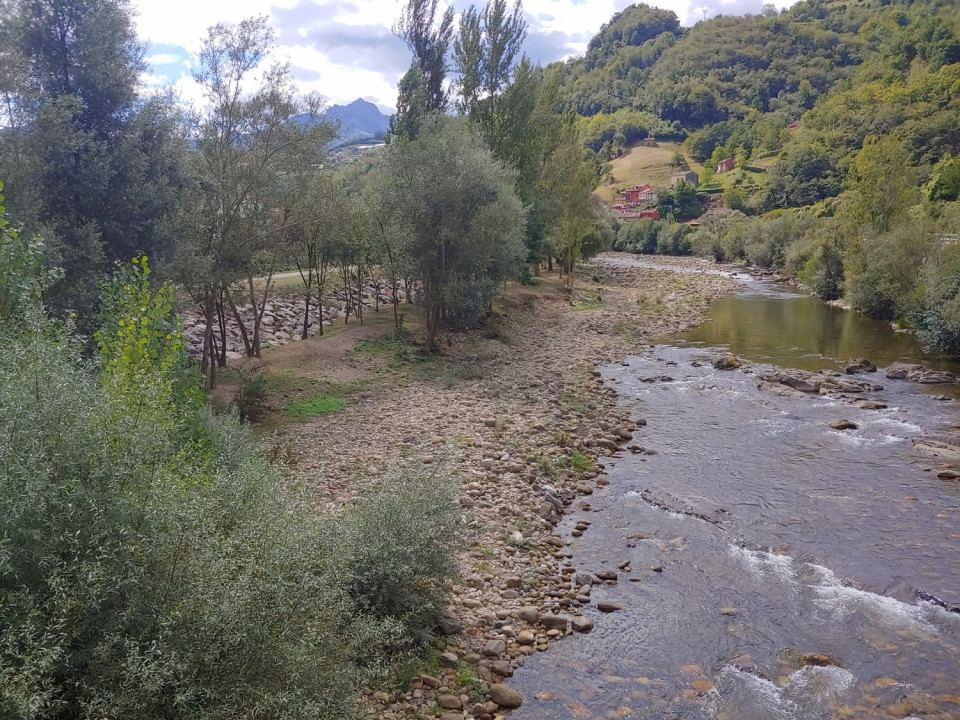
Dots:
pixel 726 362
pixel 843 425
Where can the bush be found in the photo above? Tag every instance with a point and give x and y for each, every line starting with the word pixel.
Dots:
pixel 823 271
pixel 637 236
pixel 153 564
pixel 672 239
pixel 398 549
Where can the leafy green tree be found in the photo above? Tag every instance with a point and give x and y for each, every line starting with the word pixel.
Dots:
pixel 484 53
pixel 411 104
pixel 459 219
pixel 90 165
pixel 802 175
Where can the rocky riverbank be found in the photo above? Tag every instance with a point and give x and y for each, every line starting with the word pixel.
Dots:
pixel 527 432
pixel 283 315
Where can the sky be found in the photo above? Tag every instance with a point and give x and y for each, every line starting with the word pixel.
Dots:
pixel 344 49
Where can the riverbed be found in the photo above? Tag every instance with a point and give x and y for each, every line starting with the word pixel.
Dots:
pixel 768 566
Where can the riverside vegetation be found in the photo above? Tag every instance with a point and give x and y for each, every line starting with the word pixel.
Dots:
pixel 842 121
pixel 382 543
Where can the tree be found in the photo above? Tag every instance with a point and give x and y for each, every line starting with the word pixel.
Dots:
pixel 91 166
pixel 411 104
pixel 247 141
pixel 429 41
pixel 882 184
pixel 461 224
pixel 485 50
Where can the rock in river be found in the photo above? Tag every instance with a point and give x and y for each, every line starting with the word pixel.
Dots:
pixel 726 362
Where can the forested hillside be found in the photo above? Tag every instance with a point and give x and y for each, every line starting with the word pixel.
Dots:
pixel 846 114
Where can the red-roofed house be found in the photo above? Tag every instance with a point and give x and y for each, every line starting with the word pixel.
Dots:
pixel 725 166
pixel 637 195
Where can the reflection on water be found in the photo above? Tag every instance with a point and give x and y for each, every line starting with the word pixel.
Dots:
pixel 796 598
pixel 776 324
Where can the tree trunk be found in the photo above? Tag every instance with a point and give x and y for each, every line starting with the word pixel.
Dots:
pixel 243 328
pixel 306 318
pixel 207 365
pixel 433 324
pixel 222 323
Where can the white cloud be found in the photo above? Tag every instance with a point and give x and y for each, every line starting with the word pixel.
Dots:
pixel 343 49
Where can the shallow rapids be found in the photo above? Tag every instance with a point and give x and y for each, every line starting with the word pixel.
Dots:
pixel 774 562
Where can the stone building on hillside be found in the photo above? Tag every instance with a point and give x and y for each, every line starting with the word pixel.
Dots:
pixel 688 176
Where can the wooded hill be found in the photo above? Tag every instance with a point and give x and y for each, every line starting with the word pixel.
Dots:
pixel 740 81
pixel 845 114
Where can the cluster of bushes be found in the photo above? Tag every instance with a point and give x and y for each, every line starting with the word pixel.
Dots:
pixel 653 237
pixel 154 564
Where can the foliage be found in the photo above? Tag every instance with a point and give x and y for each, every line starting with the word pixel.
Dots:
pixel 719 69
pixel 484 53
pixel 429 41
pixel 398 549
pixel 249 137
pixel 680 202
pixel 141 346
pixel 90 166
pixel 21 277
pixel 637 236
pixel 581 462
pixel 149 572
pixel 461 224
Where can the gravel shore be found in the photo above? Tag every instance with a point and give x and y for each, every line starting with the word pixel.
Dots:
pixel 526 431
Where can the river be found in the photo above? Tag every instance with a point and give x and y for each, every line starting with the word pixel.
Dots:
pixel 773 561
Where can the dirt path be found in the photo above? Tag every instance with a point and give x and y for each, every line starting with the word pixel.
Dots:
pixel 520 417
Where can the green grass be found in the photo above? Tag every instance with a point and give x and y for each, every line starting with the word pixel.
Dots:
pixel 581 462
pixel 641 165
pixel 319 405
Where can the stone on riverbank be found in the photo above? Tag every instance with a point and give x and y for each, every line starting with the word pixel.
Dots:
pixel 505 696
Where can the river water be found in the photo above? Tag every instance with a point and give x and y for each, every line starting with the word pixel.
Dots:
pixel 774 562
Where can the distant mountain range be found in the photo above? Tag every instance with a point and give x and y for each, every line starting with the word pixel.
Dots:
pixel 360 121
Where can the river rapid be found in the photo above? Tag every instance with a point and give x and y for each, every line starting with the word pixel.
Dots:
pixel 772 563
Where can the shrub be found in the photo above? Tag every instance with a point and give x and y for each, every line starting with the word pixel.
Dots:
pixel 153 564
pixel 397 551
pixel 823 271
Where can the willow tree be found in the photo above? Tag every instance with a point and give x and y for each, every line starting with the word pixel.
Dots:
pixel 252 131
pixel 458 218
